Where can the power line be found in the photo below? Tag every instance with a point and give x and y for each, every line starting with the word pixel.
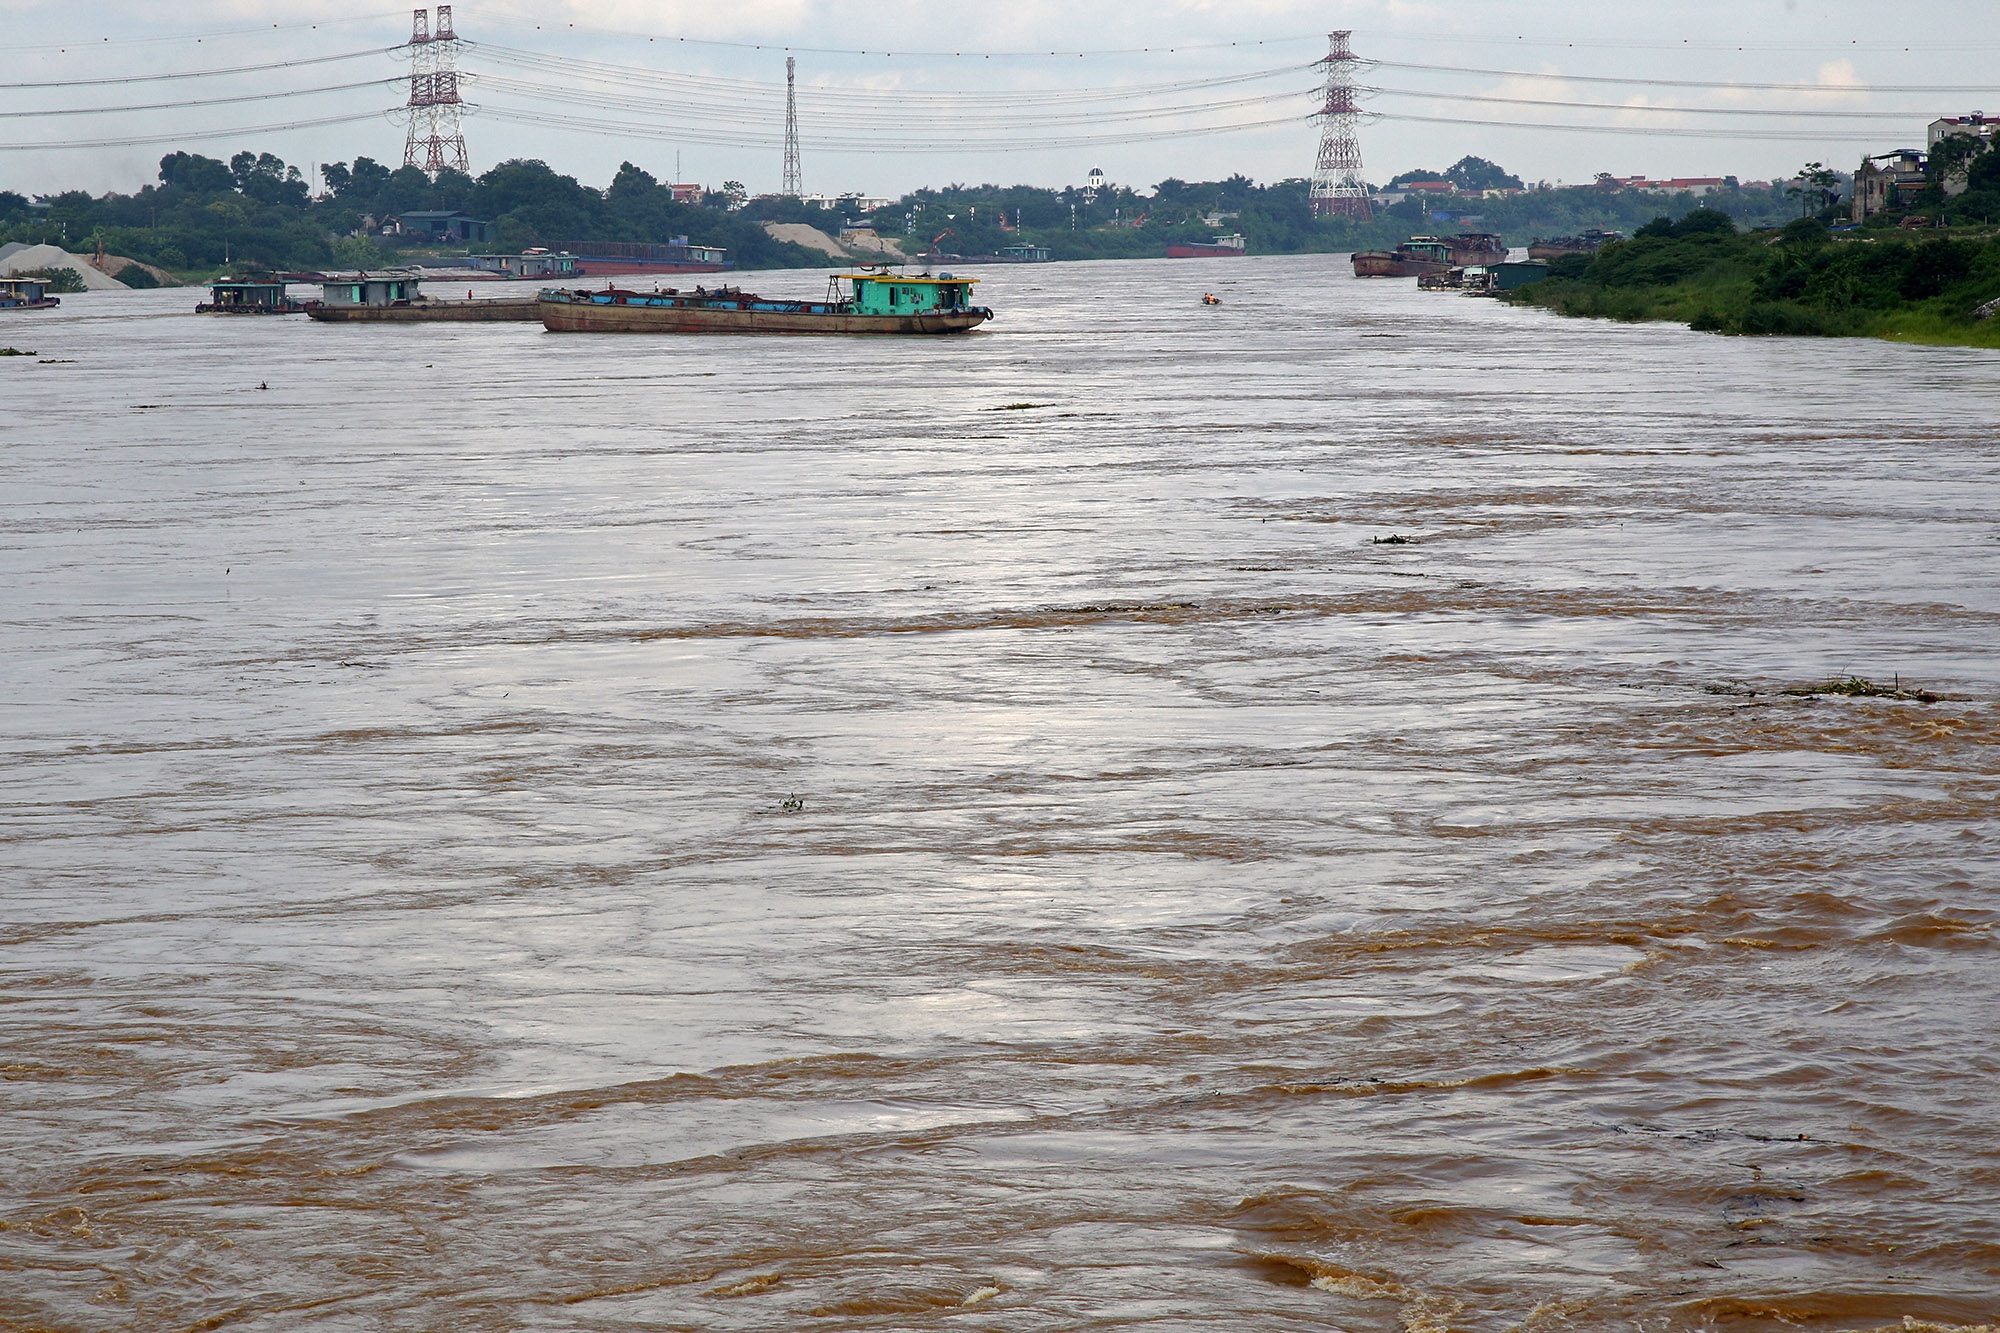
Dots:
pixel 1802 114
pixel 203 73
pixel 752 139
pixel 205 101
pixel 82 44
pixel 710 85
pixel 236 131
pixel 1175 49
pixel 1699 83
pixel 1797 136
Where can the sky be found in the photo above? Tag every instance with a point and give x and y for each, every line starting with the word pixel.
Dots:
pixel 900 94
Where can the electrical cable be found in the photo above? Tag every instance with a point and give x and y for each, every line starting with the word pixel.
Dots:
pixel 235 131
pixel 205 101
pixel 709 85
pixel 1801 114
pixel 83 44
pixel 759 139
pixel 941 55
pixel 1696 83
pixel 205 73
pixel 1787 136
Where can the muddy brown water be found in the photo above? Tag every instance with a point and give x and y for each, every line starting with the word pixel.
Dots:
pixel 509 831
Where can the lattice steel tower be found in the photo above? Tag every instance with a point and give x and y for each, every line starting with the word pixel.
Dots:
pixel 437 134
pixel 792 186
pixel 1337 188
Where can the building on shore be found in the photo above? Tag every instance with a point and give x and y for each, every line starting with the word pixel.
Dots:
pixel 1887 180
pixel 1977 124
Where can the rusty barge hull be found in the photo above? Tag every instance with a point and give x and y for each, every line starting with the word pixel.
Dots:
pixel 610 317
pixel 525 310
pixel 1389 264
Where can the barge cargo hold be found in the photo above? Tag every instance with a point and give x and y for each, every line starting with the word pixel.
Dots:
pixel 1412 259
pixel 1222 247
pixel 398 298
pixel 876 303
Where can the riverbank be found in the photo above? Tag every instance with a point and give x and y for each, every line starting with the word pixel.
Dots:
pixel 1801 280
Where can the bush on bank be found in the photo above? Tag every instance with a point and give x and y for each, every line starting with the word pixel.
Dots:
pixel 1800 280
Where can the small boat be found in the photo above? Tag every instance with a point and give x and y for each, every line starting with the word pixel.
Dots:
pixel 1413 258
pixel 249 298
pixel 398 298
pixel 1222 247
pixel 26 294
pixel 872 303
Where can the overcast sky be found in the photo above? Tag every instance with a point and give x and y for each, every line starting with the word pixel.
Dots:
pixel 1544 50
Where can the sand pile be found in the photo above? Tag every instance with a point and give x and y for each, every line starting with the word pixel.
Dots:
pixel 17 258
pixel 812 238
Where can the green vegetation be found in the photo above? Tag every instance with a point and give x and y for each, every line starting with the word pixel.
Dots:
pixel 1860 688
pixel 14 351
pixel 63 281
pixel 1799 280
pixel 256 213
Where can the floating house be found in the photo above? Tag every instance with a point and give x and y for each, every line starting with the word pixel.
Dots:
pixel 248 298
pixel 528 264
pixel 26 294
pixel 370 289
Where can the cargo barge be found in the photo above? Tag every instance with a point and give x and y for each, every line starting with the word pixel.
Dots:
pixel 249 298
pixel 26 294
pixel 1222 247
pixel 601 258
pixel 1412 259
pixel 880 303
pixel 398 298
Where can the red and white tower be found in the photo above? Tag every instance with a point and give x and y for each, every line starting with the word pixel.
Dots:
pixel 437 132
pixel 1337 188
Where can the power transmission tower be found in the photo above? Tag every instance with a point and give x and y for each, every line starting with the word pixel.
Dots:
pixel 1337 188
pixel 437 133
pixel 792 185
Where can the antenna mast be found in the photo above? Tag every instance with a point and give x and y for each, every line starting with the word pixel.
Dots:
pixel 792 185
pixel 1337 188
pixel 437 134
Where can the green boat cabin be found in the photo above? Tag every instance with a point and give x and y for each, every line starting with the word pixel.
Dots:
pixel 889 294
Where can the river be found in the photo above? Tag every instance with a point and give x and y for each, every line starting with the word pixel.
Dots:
pixel 1282 815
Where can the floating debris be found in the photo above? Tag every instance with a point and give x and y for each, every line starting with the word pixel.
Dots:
pixel 1393 539
pixel 14 351
pixel 1861 688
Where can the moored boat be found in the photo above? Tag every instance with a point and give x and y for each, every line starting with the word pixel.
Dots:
pixel 26 294
pixel 1472 249
pixel 1222 247
pixel 1584 243
pixel 398 298
pixel 871 303
pixel 1413 258
pixel 249 298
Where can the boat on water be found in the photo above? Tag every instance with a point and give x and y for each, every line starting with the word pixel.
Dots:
pixel 398 298
pixel 679 255
pixel 1475 249
pixel 869 303
pixel 26 294
pixel 1232 246
pixel 1584 243
pixel 249 298
pixel 1412 259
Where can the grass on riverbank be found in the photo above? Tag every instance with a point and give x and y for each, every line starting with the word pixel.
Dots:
pixel 1801 281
